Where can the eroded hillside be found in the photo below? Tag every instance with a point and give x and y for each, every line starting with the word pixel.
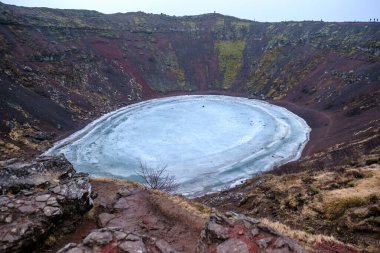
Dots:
pixel 61 68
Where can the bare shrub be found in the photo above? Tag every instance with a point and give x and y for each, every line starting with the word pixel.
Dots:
pixel 157 178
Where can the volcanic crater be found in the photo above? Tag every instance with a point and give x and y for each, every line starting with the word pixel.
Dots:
pixel 206 142
pixel 62 69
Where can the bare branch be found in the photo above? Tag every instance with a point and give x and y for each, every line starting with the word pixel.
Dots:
pixel 157 178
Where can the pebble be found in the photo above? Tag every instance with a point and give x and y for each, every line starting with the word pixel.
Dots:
pixel 217 230
pixel 133 246
pixel 263 243
pixel 232 245
pixel 164 247
pixel 100 238
pixel 27 209
pixel 52 202
pixel 255 232
pixel 56 189
pixel 51 211
pixel 43 198
pixel 9 219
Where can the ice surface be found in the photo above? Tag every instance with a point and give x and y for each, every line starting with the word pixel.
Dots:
pixel 207 142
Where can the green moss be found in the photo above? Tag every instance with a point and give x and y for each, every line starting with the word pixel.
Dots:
pixel 271 28
pixel 373 198
pixel 312 191
pixel 219 25
pixel 169 58
pixel 139 20
pixel 180 76
pixel 352 39
pixel 291 24
pixel 191 24
pixel 336 208
pixel 276 41
pixel 79 23
pixel 166 61
pixel 260 77
pixel 230 58
pixel 240 25
pixel 300 199
pixel 325 30
pixel 285 82
pixel 309 230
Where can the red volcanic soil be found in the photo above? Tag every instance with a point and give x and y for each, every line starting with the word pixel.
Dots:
pixel 331 129
pixel 138 211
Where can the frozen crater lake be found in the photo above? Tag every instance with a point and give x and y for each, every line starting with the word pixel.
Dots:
pixel 206 142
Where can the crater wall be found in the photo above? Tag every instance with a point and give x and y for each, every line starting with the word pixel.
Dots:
pixel 62 68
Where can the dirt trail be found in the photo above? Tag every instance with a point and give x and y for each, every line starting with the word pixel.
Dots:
pixel 120 204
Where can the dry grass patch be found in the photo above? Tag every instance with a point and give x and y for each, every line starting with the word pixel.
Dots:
pixel 7 148
pixel 195 208
pixel 19 133
pixel 306 239
pixel 358 192
pixel 287 183
pixel 179 209
pixel 119 182
pixel 337 207
pixel 360 188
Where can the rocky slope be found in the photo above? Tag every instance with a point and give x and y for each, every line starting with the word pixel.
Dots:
pixel 221 234
pixel 61 68
pixel 43 205
pixel 39 198
pixel 343 203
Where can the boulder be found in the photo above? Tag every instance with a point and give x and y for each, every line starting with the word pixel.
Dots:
pixel 116 239
pixel 233 232
pixel 36 195
pixel 232 245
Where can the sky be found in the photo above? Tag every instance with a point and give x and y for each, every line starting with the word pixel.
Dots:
pixel 259 10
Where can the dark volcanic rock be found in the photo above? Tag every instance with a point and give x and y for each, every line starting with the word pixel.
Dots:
pixel 232 245
pixel 40 136
pixel 38 196
pixel 239 233
pixel 116 240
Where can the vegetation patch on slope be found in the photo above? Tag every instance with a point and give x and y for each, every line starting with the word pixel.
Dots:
pixel 344 204
pixel 230 59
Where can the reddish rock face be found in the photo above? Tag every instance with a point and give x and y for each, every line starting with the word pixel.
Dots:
pixel 62 68
pixel 242 234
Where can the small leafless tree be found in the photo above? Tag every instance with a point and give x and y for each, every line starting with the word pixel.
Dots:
pixel 157 178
